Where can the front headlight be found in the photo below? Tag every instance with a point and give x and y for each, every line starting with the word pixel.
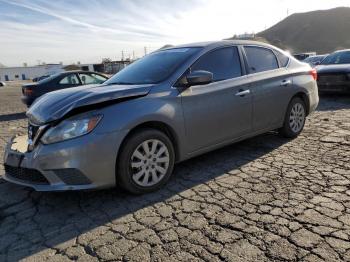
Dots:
pixel 71 128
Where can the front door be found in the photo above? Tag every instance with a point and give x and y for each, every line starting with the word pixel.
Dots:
pixel 222 110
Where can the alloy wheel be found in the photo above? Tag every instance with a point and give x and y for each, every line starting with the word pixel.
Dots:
pixel 149 162
pixel 297 117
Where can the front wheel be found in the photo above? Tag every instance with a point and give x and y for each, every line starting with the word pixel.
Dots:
pixel 146 161
pixel 294 119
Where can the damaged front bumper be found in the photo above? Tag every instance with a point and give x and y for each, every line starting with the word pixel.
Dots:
pixel 87 162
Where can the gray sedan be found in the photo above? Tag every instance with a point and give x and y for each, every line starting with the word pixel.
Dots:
pixel 167 107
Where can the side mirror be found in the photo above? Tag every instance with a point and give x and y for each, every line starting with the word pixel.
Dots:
pixel 199 77
pixel 317 63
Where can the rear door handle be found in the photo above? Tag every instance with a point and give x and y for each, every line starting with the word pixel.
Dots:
pixel 243 92
pixel 286 82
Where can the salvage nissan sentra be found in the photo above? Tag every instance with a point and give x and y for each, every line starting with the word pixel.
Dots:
pixel 169 106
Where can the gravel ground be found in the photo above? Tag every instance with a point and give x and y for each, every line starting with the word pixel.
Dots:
pixel 264 199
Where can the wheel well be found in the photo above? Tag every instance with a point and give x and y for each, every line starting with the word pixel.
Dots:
pixel 160 126
pixel 305 99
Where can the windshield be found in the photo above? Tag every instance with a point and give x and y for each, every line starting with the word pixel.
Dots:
pixel 153 68
pixel 337 58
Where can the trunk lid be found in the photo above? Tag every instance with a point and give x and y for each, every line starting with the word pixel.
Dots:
pixel 333 69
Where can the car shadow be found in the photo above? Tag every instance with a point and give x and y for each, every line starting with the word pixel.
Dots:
pixel 12 117
pixel 333 102
pixel 40 220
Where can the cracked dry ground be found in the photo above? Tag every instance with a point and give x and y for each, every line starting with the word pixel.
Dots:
pixel 264 199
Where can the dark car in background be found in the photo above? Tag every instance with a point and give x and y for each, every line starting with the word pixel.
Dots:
pixel 314 60
pixel 37 79
pixel 334 73
pixel 59 81
pixel 303 56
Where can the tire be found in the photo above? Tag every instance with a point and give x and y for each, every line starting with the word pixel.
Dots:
pixel 292 127
pixel 139 171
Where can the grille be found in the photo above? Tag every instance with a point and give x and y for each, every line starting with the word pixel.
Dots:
pixel 26 174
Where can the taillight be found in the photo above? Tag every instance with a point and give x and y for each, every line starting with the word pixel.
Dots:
pixel 313 73
pixel 28 91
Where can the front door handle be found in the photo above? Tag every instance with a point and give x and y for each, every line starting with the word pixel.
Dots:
pixel 286 82
pixel 243 92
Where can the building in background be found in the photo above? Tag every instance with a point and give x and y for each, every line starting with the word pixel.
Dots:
pixel 28 72
pixel 25 72
pixel 113 67
pixel 85 67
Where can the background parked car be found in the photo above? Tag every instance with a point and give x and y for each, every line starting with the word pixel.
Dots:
pixel 60 81
pixel 37 79
pixel 314 60
pixel 334 73
pixel 2 84
pixel 303 56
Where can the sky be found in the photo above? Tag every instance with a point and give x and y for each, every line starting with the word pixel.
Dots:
pixel 53 31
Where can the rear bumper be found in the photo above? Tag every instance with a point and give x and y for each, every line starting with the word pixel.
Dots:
pixel 27 100
pixel 313 98
pixel 334 87
pixel 87 162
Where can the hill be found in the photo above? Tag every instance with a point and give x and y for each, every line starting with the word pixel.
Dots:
pixel 321 31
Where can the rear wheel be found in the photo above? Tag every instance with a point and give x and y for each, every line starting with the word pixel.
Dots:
pixel 294 119
pixel 146 161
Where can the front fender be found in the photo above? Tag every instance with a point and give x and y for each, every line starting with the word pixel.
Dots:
pixel 129 115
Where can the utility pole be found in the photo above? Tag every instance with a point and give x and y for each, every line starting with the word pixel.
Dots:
pixel 122 55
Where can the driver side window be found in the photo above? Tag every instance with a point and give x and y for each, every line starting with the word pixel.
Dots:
pixel 224 63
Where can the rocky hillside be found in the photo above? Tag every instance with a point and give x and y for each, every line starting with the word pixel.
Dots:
pixel 321 31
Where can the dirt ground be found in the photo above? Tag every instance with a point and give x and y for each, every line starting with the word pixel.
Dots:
pixel 264 199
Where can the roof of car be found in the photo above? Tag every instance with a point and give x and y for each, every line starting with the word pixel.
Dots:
pixel 345 50
pixel 80 71
pixel 220 43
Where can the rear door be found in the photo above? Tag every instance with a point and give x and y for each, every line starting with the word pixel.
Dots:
pixel 215 113
pixel 270 86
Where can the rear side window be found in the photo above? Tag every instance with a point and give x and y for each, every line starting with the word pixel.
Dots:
pixel 69 80
pixel 224 63
pixel 88 79
pixel 260 59
pixel 282 58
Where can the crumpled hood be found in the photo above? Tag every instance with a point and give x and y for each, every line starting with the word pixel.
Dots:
pixel 54 105
pixel 324 69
